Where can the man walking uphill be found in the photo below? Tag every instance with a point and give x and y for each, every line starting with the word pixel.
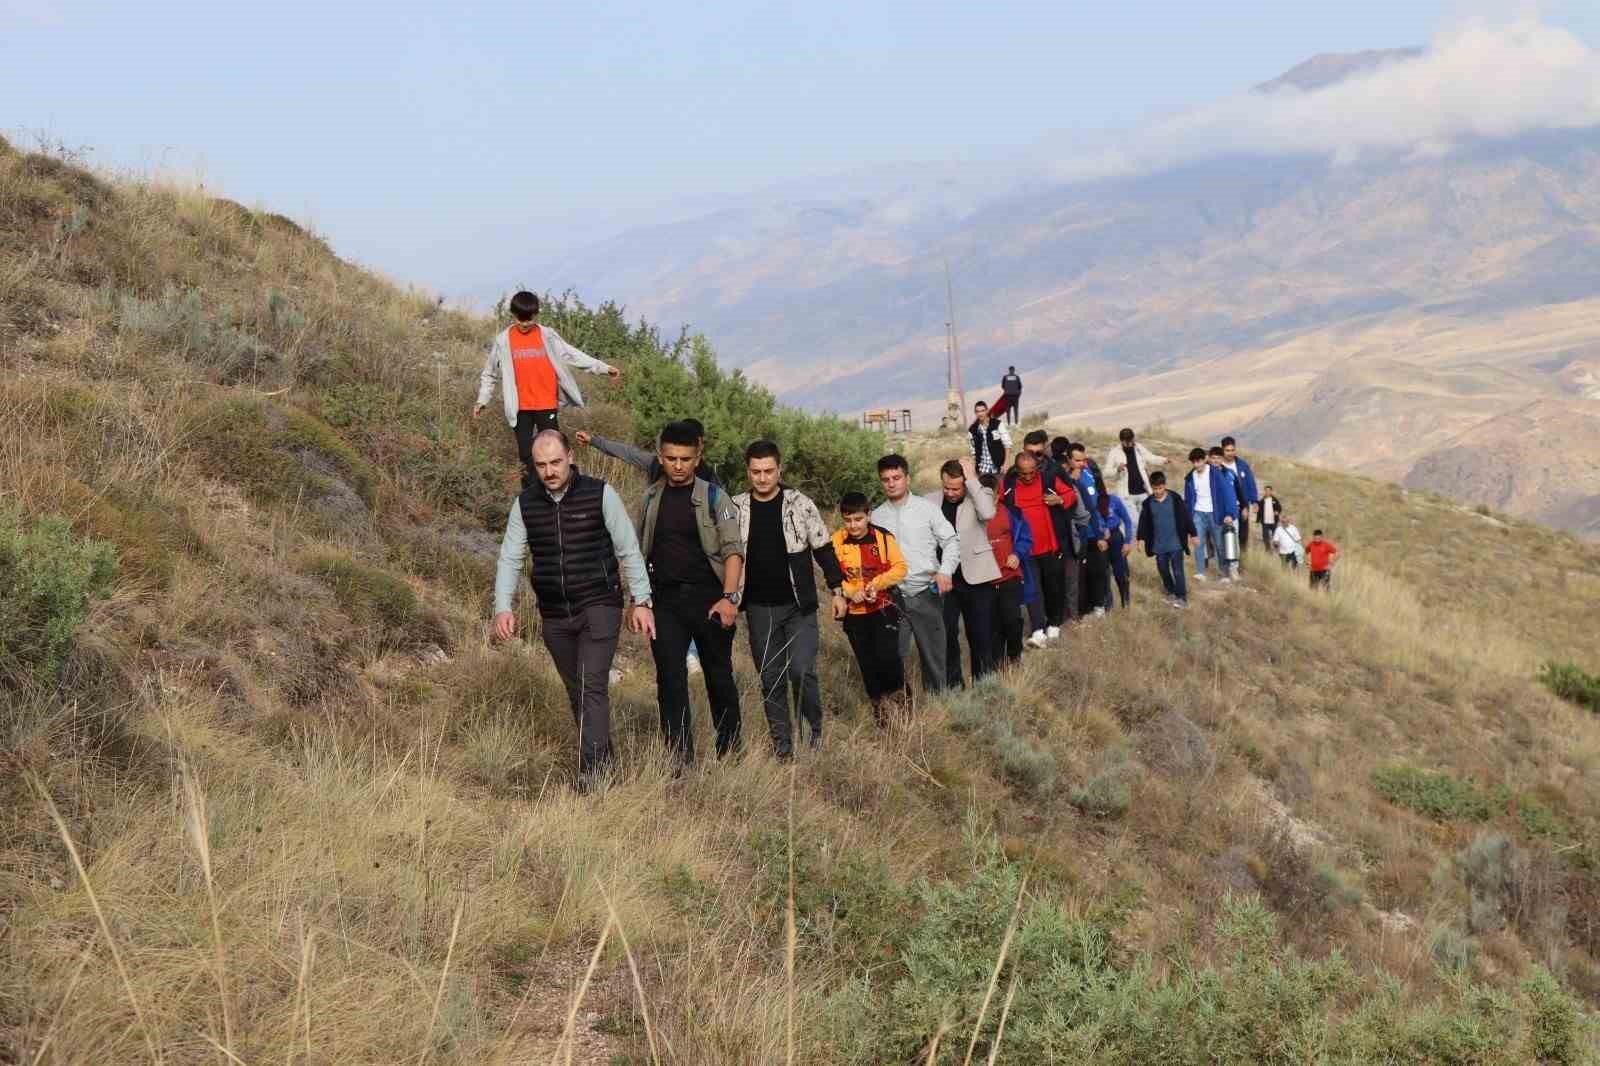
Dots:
pixel 1011 389
pixel 584 552
pixel 782 533
pixel 1128 467
pixel 689 532
pixel 931 552
pixel 531 363
pixel 968 506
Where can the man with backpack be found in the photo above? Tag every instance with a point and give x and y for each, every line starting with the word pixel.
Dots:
pixel 783 534
pixel 533 367
pixel 689 533
pixel 1046 500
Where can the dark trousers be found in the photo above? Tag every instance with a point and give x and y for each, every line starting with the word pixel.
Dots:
pixel 1071 586
pixel 1319 579
pixel 971 606
pixel 1268 531
pixel 1096 576
pixel 582 647
pixel 1119 569
pixel 529 425
pixel 1052 586
pixel 783 644
pixel 1014 409
pixel 1005 635
pixel 681 617
pixel 1290 560
pixel 1170 566
pixel 922 620
pixel 1244 534
pixel 875 639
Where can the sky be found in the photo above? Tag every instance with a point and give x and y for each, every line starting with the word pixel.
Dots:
pixel 422 139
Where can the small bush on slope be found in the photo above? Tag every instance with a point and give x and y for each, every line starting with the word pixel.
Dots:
pixel 1572 683
pixel 46 578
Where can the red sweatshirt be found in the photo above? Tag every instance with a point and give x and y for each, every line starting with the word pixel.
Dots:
pixel 1029 499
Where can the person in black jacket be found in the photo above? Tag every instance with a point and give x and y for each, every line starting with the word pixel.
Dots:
pixel 1011 389
pixel 1167 531
pixel 1269 509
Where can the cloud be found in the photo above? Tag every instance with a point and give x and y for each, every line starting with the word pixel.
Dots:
pixel 1480 79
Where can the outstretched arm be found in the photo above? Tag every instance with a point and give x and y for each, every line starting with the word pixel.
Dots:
pixel 575 358
pixel 636 457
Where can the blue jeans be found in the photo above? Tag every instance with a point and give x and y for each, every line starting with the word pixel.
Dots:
pixel 1210 530
pixel 1170 566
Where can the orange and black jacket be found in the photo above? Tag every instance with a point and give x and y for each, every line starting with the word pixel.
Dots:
pixel 874 562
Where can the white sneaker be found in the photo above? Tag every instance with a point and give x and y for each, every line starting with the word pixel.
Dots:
pixel 1181 604
pixel 1200 576
pixel 616 675
pixel 1099 612
pixel 1053 633
pixel 693 663
pixel 1224 580
pixel 1037 639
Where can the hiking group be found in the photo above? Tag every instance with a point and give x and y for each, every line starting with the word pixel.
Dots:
pixel 1013 546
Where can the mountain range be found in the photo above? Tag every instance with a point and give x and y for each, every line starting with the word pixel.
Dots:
pixel 1415 298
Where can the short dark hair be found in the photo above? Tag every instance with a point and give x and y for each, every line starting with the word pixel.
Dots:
pixel 1059 446
pixel 979 404
pixel 566 443
pixel 1316 532
pixel 1157 477
pixel 952 468
pixel 893 461
pixel 1036 436
pixel 853 503
pixel 1229 440
pixel 1125 433
pixel 524 305
pixel 1011 370
pixel 1077 446
pixel 763 449
pixel 695 424
pixel 681 434
pixel 1216 449
pixel 1196 454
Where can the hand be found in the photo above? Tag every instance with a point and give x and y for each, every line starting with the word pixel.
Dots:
pixel 505 625
pixel 1127 550
pixel 615 374
pixel 477 409
pixel 1012 562
pixel 943 583
pixel 840 607
pixel 724 612
pixel 1102 545
pixel 583 436
pixel 1194 542
pixel 968 471
pixel 643 620
pixel 869 594
pixel 1227 520
pixel 1052 500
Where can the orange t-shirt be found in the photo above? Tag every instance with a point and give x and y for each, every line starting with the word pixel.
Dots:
pixel 1321 553
pixel 536 375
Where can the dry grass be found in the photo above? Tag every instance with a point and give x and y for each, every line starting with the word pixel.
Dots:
pixel 265 833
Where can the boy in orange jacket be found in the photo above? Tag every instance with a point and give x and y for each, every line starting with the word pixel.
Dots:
pixel 872 565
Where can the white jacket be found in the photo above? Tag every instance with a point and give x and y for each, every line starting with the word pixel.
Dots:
pixel 1115 468
pixel 562 355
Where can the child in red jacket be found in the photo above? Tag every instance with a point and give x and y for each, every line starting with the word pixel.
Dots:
pixel 1321 554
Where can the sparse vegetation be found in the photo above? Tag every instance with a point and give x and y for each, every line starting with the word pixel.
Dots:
pixel 1572 683
pixel 47 576
pixel 1438 795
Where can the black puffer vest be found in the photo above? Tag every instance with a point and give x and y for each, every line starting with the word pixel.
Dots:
pixel 574 561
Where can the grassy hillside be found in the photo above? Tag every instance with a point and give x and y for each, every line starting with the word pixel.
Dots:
pixel 267 792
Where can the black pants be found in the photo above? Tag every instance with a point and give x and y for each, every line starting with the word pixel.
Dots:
pixel 1244 534
pixel 582 647
pixel 1014 409
pixel 875 639
pixel 1052 586
pixel 1096 574
pixel 1268 531
pixel 681 617
pixel 972 607
pixel 783 645
pixel 1005 635
pixel 529 425
pixel 1319 578
pixel 1119 569
pixel 1071 584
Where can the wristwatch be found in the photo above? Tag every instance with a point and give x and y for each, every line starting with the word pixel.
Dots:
pixel 732 597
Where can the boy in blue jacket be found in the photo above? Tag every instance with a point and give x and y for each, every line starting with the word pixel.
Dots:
pixel 1213 503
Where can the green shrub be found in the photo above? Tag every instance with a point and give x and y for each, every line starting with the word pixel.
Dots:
pixel 1108 791
pixel 1572 683
pixel 847 905
pixel 47 575
pixel 275 453
pixel 179 320
pixel 1453 951
pixel 1440 795
pixel 1023 762
pixel 377 599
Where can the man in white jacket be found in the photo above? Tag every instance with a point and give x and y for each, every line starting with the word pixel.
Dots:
pixel 534 362
pixel 1127 470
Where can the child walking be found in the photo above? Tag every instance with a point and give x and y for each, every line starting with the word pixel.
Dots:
pixel 872 565
pixel 1321 553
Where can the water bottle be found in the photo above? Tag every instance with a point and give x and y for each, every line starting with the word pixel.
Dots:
pixel 1230 546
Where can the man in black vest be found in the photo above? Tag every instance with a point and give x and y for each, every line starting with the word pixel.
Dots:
pixel 990 441
pixel 584 550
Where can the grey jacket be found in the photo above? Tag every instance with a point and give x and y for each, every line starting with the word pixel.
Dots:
pixel 716 519
pixel 976 553
pixel 563 356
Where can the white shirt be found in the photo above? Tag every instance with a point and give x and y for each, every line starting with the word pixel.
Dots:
pixel 927 540
pixel 1286 540
pixel 1202 490
pixel 1269 510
